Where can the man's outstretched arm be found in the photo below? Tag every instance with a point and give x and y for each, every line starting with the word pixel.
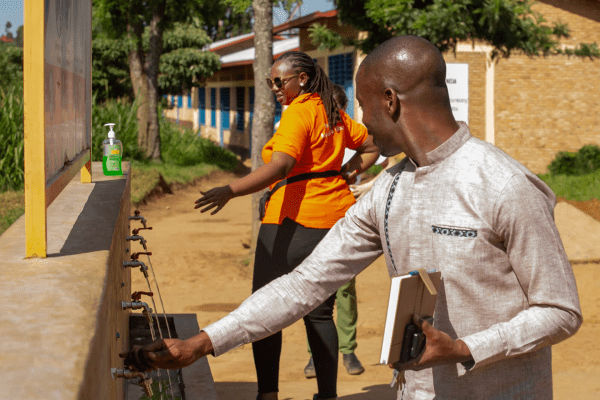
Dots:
pixel 351 245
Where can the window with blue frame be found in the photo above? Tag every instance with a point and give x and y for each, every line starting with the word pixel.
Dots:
pixel 202 106
pixel 180 101
pixel 240 94
pixel 189 100
pixel 225 108
pixel 341 73
pixel 250 117
pixel 277 113
pixel 251 106
pixel 213 107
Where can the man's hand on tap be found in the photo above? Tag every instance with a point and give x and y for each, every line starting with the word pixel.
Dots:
pixel 169 353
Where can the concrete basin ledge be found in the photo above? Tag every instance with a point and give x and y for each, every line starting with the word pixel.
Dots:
pixel 60 314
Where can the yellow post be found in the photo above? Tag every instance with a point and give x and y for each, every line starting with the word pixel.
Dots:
pixel 35 153
pixel 86 171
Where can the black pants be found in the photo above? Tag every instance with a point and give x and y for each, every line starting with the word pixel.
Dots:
pixel 279 250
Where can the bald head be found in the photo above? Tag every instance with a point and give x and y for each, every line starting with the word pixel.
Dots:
pixel 401 87
pixel 407 63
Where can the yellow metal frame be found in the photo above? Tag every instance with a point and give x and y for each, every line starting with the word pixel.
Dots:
pixel 39 194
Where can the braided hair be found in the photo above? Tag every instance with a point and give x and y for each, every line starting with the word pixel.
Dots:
pixel 318 82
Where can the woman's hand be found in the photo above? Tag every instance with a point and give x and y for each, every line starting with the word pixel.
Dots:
pixel 349 176
pixel 359 190
pixel 216 197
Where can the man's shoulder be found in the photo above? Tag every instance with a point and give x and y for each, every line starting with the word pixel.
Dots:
pixel 485 163
pixel 491 160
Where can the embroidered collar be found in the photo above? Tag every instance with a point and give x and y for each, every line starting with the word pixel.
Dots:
pixel 450 146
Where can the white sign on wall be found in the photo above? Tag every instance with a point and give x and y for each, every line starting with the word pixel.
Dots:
pixel 457 80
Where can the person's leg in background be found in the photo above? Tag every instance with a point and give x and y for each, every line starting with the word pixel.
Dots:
pixel 270 262
pixel 323 340
pixel 320 328
pixel 280 249
pixel 347 317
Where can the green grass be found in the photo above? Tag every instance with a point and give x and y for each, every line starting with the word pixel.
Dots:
pixel 145 176
pixel 11 135
pixel 578 188
pixel 12 206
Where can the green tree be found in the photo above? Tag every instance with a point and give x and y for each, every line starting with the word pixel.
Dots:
pixel 7 30
pixel 507 25
pixel 224 20
pixel 11 66
pixel 19 37
pixel 182 64
pixel 142 26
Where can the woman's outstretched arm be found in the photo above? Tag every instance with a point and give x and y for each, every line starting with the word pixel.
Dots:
pixel 280 166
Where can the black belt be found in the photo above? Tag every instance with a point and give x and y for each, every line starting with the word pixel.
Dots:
pixel 297 178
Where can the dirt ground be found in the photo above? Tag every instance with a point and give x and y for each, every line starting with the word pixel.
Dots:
pixel 201 264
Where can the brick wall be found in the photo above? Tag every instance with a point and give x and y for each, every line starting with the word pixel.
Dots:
pixel 544 105
pixel 476 61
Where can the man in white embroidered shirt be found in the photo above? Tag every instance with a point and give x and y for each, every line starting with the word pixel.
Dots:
pixel 454 203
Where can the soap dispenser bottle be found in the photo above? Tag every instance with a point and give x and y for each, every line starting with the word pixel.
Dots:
pixel 112 153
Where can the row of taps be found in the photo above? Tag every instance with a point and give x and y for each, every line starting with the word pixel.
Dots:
pixel 145 381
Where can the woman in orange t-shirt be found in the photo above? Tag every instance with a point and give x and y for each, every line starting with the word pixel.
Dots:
pixel 300 213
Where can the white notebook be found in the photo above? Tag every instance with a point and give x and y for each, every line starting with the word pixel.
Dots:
pixel 408 296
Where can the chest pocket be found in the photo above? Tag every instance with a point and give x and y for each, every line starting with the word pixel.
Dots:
pixel 454 247
pixel 455 232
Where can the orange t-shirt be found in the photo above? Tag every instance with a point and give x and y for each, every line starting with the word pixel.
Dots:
pixel 304 134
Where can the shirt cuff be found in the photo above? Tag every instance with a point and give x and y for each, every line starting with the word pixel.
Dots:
pixel 484 349
pixel 225 335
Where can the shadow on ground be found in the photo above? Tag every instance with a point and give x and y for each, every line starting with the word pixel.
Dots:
pixel 247 390
pixel 382 392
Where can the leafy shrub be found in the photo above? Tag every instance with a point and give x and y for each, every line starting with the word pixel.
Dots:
pixel 181 146
pixel 11 65
pixel 123 114
pixel 585 161
pixel 11 136
pixel 178 146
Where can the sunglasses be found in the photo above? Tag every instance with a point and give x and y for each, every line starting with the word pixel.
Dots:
pixel 278 81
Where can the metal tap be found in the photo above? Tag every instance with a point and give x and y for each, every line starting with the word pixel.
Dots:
pixel 145 381
pixel 137 305
pixel 136 238
pixel 136 296
pixel 136 263
pixel 137 230
pixel 138 217
pixel 135 256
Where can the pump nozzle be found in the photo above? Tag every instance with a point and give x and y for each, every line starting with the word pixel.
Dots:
pixel 111 133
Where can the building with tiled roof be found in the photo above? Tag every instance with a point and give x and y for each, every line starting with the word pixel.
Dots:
pixel 531 107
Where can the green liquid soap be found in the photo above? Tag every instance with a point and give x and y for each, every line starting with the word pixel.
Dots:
pixel 108 166
pixel 112 152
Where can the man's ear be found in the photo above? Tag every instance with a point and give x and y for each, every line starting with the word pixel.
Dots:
pixel 393 103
